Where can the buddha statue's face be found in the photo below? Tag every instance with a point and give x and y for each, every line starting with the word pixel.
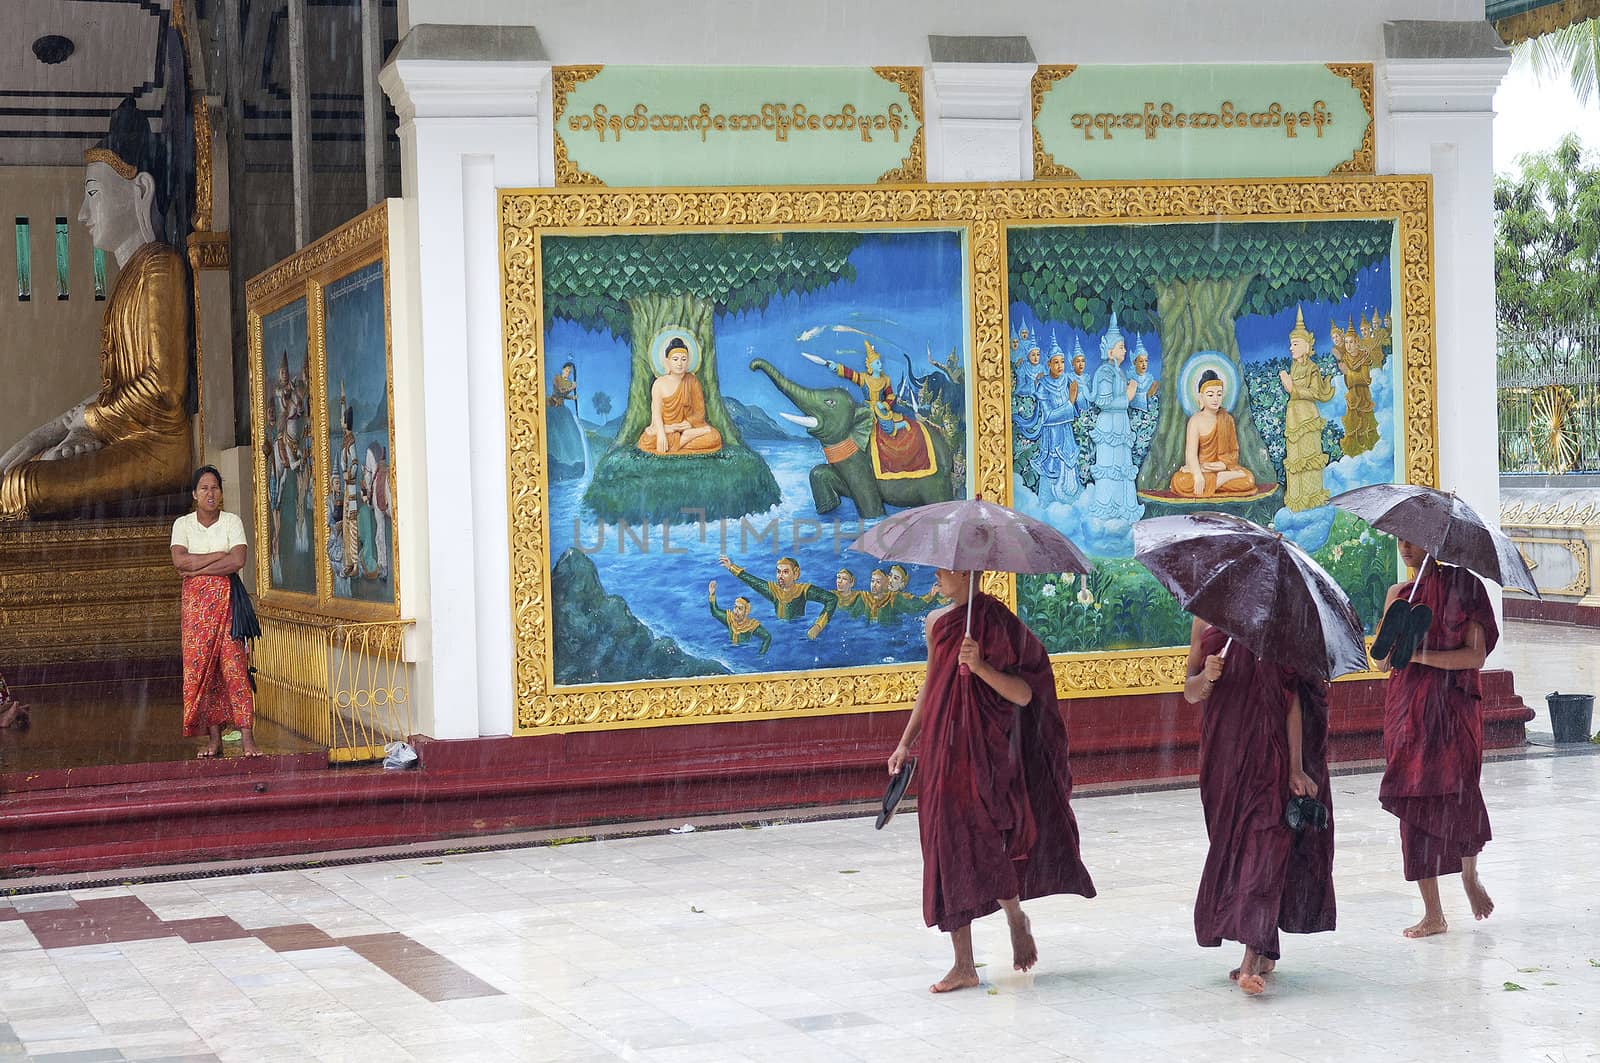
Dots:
pixel 678 361
pixel 115 209
pixel 877 583
pixel 1079 363
pixel 788 575
pixel 1211 396
pixel 1058 365
pixel 844 583
pixel 1299 348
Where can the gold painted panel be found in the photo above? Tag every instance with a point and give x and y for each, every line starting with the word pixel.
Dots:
pixel 982 213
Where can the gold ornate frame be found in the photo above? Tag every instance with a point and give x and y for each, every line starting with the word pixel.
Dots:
pixel 356 244
pixel 913 167
pixel 1364 160
pixel 984 213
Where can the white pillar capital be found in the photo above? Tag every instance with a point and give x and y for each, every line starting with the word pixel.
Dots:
pixel 980 109
pixel 464 88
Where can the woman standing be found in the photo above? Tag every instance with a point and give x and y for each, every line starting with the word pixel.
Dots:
pixel 207 548
pixel 1263 738
pixel 1433 737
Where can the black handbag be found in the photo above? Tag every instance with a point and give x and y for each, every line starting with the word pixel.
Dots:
pixel 245 625
pixel 1302 812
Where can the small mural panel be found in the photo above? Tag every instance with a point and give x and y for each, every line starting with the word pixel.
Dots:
pixel 289 444
pixel 359 508
pixel 1161 369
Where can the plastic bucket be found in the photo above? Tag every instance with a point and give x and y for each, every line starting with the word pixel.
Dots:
pixel 1571 716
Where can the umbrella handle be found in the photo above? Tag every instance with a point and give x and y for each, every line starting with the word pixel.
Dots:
pixel 964 670
pixel 1418 581
pixel 1224 651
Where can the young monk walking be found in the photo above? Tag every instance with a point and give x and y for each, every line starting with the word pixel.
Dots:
pixel 1433 738
pixel 993 782
pixel 1263 738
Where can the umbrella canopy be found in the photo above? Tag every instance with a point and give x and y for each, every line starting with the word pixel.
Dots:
pixel 1256 586
pixel 1446 527
pixel 972 536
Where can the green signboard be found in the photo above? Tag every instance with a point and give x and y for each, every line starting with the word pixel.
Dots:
pixel 1262 120
pixel 695 126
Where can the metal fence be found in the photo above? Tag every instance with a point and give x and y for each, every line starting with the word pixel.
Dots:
pixel 1549 400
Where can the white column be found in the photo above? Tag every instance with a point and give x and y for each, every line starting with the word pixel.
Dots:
pixel 980 121
pixel 1441 118
pixel 467 128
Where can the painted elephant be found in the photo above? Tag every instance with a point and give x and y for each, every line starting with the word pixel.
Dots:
pixel 834 418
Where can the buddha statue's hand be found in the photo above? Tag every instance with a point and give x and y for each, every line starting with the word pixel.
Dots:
pixel 42 441
pixel 78 438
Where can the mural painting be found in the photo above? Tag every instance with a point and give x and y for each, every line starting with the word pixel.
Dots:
pixel 359 508
pixel 1171 368
pixel 724 414
pixel 289 441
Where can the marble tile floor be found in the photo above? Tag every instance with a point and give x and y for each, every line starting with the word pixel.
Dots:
pixel 804 942
pixel 1546 658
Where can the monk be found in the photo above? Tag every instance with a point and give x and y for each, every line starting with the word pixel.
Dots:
pixel 678 410
pixel 1433 738
pixel 1263 738
pixel 993 807
pixel 1211 448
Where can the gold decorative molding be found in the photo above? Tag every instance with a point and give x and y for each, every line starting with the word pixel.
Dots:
pixel 563 79
pixel 1044 164
pixel 1365 159
pixel 352 238
pixel 209 250
pixel 1545 19
pixel 983 212
pixel 202 163
pixel 914 168
pixel 1556 514
pixel 1577 547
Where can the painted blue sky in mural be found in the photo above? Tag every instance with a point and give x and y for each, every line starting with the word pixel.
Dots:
pixel 914 273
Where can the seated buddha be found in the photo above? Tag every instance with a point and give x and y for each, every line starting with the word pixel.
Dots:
pixel 678 410
pixel 130 439
pixel 1211 448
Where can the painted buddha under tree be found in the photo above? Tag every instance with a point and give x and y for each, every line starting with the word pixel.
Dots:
pixel 130 440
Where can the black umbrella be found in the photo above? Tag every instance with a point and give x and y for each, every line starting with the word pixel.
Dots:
pixel 1446 527
pixel 1450 531
pixel 1257 587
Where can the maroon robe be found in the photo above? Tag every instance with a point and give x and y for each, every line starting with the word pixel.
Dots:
pixel 993 782
pixel 1259 875
pixel 1433 733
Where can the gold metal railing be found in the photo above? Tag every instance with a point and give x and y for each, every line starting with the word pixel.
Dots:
pixel 342 684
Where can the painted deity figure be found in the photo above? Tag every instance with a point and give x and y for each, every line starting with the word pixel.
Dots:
pixel 678 409
pixel 1114 392
pixel 1054 415
pixel 288 458
pixel 375 495
pixel 1302 423
pixel 1211 448
pixel 349 470
pixel 1146 382
pixel 130 439
pixel 1080 377
pixel 1028 372
pixel 1357 357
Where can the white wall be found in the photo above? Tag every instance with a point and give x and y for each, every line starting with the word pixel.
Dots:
pixel 895 32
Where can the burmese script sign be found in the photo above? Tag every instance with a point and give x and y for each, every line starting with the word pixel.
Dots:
pixel 1271 120
pixel 654 126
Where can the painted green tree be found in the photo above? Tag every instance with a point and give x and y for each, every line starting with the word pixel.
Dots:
pixel 1189 284
pixel 637 285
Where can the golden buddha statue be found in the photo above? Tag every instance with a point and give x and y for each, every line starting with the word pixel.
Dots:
pixel 129 440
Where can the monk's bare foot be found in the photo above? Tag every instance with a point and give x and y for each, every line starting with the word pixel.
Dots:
pixel 1430 925
pixel 1263 967
pixel 1252 984
pixel 958 978
pixel 1478 897
pixel 1024 952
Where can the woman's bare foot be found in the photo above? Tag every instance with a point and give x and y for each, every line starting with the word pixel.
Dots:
pixel 1478 897
pixel 1429 926
pixel 1024 951
pixel 212 750
pixel 958 978
pixel 247 742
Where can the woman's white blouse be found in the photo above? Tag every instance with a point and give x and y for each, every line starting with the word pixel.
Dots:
pixel 226 533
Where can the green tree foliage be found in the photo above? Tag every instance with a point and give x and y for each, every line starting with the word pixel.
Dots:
pixel 601 403
pixel 1571 54
pixel 1547 244
pixel 590 281
pixel 1080 274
